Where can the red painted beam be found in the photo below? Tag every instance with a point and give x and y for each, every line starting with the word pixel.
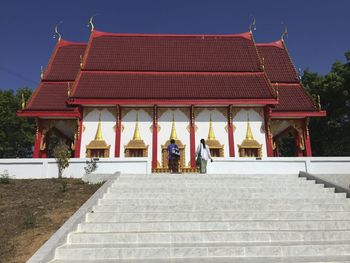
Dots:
pixel 299 114
pixel 192 138
pixel 155 138
pixel 118 131
pixel 231 141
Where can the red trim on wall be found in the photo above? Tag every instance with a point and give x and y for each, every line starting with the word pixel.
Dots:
pixel 268 134
pixel 79 135
pixel 155 138
pixel 118 131
pixel 308 150
pixel 36 152
pixel 231 141
pixel 192 137
pixel 299 114
pixel 172 101
pixel 63 114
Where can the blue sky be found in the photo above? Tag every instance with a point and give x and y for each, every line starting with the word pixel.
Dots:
pixel 319 31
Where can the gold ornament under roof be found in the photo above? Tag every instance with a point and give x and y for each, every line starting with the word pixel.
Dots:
pixel 137 131
pixel 211 135
pixel 216 148
pixel 98 147
pixel 249 146
pixel 136 147
pixel 173 134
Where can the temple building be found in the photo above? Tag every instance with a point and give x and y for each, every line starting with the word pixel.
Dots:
pixel 127 95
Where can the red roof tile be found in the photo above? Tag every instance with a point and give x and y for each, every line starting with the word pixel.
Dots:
pixel 278 65
pixel 193 53
pixel 132 85
pixel 293 97
pixel 50 96
pixel 65 61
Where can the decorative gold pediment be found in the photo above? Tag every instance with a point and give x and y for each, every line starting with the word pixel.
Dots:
pixel 216 148
pixel 249 146
pixel 98 147
pixel 136 147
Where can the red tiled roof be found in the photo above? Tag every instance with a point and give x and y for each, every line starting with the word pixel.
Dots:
pixel 166 85
pixel 293 97
pixel 278 65
pixel 192 53
pixel 65 61
pixel 50 96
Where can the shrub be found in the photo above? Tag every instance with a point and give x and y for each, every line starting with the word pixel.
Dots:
pixel 91 166
pixel 62 155
pixel 29 219
pixel 5 177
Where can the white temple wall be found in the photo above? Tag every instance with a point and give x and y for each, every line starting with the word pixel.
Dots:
pixel 257 124
pixel 128 127
pixel 219 121
pixel 182 122
pixel 90 122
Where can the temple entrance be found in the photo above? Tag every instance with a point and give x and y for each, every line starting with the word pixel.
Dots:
pixel 288 144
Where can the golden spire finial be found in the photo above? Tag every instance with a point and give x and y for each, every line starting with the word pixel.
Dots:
pixel 285 33
pixel 23 103
pixel 249 134
pixel 173 134
pixel 41 72
pixel 252 26
pixel 69 89
pixel 98 135
pixel 57 34
pixel 91 22
pixel 137 131
pixel 211 135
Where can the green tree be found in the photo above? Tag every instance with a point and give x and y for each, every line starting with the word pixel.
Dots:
pixel 16 134
pixel 62 155
pixel 330 136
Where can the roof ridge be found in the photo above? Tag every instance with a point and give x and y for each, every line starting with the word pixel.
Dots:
pixel 97 33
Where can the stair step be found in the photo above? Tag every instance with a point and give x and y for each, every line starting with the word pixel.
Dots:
pixel 215 226
pixel 91 251
pixel 213 216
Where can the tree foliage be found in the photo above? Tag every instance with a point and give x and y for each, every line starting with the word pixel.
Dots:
pixel 16 134
pixel 330 136
pixel 62 155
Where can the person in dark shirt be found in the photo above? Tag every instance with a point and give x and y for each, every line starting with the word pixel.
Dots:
pixel 174 156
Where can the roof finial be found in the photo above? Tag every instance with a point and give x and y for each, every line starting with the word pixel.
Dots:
pixel 285 33
pixel 211 135
pixel 252 26
pixel 173 134
pixel 57 34
pixel 41 72
pixel 23 103
pixel 249 134
pixel 137 131
pixel 91 23
pixel 98 135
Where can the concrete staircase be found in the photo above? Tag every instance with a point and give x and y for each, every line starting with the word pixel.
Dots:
pixel 213 218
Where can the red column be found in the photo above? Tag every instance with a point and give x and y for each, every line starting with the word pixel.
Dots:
pixel 231 142
pixel 118 130
pixel 192 137
pixel 155 138
pixel 78 135
pixel 38 135
pixel 268 134
pixel 308 151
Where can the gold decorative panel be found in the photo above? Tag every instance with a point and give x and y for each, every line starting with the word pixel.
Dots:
pixel 249 146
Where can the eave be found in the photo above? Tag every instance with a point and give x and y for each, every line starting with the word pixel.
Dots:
pixel 297 114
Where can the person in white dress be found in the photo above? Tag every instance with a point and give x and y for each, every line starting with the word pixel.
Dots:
pixel 202 156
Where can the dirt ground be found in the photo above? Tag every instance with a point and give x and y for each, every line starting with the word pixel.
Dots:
pixel 32 210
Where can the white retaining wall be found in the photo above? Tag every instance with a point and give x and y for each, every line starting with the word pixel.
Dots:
pixel 47 168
